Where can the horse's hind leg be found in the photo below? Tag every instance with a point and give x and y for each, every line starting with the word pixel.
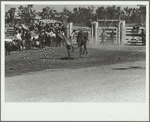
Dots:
pixel 72 48
pixel 85 49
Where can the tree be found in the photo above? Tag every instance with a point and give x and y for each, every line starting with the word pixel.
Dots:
pixel 65 14
pixel 9 16
pixel 100 12
pixel 142 12
pixel 47 13
pixel 27 13
pixel 82 15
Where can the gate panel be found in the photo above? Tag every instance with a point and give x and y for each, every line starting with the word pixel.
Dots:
pixel 108 30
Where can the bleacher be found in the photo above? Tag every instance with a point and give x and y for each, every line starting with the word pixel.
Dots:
pixel 10 31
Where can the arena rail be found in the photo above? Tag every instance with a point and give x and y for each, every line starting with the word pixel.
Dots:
pixel 133 36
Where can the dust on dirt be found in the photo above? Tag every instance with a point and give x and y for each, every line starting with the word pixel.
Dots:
pixel 33 60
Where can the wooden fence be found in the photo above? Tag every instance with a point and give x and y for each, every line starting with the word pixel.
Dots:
pixel 108 31
pixel 133 36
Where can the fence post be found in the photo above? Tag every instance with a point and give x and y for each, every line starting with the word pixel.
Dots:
pixel 118 42
pixel 96 32
pixel 92 33
pixel 123 31
pixel 70 31
pixel 70 28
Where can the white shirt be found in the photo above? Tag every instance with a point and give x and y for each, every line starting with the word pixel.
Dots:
pixel 19 36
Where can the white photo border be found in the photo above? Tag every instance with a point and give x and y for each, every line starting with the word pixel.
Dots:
pixel 74 111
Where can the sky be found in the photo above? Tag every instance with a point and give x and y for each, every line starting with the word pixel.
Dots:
pixel 59 8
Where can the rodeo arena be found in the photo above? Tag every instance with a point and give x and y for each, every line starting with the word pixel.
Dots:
pixel 55 61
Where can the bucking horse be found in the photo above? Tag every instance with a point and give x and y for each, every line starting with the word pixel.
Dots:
pixel 82 40
pixel 10 45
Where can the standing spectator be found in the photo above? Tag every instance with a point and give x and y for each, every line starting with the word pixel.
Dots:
pixel 112 36
pixel 28 37
pixel 23 36
pixel 42 38
pixel 143 37
pixel 103 36
pixel 64 29
pixel 19 39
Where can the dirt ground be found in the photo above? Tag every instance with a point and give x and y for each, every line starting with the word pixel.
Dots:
pixel 34 60
pixel 107 74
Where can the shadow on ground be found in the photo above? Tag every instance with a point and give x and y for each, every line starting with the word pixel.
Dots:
pixel 27 61
pixel 128 68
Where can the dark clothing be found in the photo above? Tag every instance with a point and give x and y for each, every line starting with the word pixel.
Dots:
pixel 42 38
pixel 28 37
pixel 112 36
pixel 16 28
pixel 50 29
pixel 64 29
pixel 23 36
pixel 57 30
pixel 143 37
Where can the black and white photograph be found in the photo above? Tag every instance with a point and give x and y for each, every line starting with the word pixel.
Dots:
pixel 75 60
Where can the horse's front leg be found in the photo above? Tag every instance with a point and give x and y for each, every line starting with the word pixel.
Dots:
pixel 68 53
pixel 80 52
pixel 68 49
